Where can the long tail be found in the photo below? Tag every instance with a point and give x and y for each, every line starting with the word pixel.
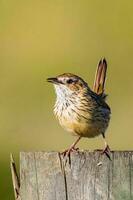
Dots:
pixel 100 77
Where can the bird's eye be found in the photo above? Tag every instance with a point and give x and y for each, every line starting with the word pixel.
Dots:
pixel 69 81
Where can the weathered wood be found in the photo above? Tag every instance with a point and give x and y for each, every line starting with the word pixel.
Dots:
pixel 91 176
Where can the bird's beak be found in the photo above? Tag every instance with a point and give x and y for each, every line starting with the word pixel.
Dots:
pixel 53 80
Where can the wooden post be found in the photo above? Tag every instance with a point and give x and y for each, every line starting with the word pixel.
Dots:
pixel 89 176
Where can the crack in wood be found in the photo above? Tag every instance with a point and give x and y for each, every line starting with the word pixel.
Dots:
pixel 37 188
pixel 62 166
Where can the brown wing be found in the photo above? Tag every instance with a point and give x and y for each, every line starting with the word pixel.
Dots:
pixel 100 77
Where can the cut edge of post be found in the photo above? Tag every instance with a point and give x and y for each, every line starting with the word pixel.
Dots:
pixel 15 178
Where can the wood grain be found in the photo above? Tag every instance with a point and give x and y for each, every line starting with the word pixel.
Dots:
pixel 91 176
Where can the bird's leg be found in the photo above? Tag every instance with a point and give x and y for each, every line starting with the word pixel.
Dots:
pixel 106 150
pixel 71 148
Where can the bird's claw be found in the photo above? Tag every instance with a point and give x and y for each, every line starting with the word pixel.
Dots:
pixel 107 151
pixel 67 152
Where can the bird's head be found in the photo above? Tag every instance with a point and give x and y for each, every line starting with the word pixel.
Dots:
pixel 68 84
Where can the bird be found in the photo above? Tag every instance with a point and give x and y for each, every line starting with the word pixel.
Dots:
pixel 81 110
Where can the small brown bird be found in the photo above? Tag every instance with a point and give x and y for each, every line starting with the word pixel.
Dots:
pixel 80 110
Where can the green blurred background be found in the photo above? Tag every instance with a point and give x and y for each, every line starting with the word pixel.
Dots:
pixel 40 39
